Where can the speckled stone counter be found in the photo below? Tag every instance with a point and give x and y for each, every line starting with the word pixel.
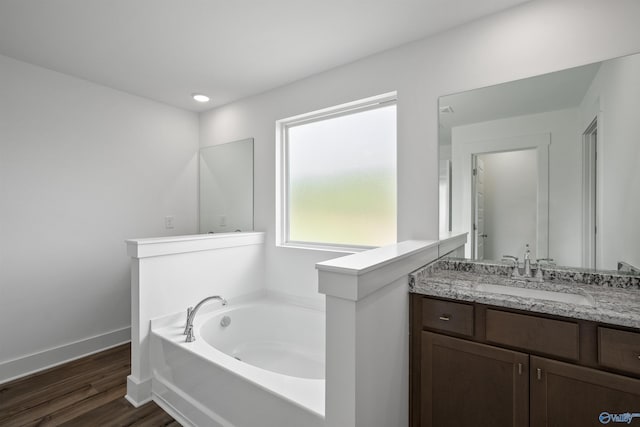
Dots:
pixel 615 296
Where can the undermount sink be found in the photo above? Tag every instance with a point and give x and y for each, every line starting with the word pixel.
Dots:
pixel 565 297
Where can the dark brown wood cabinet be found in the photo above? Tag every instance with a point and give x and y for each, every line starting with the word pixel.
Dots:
pixel 565 395
pixel 458 373
pixel 478 365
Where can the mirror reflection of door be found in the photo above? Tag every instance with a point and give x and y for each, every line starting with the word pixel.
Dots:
pixel 505 203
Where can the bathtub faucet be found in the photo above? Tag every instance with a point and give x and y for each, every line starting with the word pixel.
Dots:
pixel 191 314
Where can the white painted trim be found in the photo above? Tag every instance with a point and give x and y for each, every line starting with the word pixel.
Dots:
pixel 451 241
pixel 589 190
pixel 342 109
pixel 463 151
pixel 355 276
pixel 33 363
pixel 138 392
pixel 144 248
pixel 169 409
pixel 364 262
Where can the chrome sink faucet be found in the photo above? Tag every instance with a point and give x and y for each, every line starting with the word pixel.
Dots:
pixel 191 314
pixel 527 272
pixel 539 263
pixel 515 272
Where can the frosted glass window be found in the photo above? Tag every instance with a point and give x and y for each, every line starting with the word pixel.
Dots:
pixel 341 179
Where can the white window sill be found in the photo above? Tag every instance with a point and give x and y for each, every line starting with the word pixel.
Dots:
pixel 325 248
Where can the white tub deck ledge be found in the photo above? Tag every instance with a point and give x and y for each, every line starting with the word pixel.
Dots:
pixel 367 332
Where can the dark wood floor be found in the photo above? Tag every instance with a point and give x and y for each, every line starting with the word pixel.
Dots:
pixel 86 392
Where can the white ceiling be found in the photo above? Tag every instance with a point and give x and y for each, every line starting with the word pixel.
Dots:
pixel 228 49
pixel 547 92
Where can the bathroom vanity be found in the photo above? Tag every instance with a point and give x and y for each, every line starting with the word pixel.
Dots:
pixel 488 350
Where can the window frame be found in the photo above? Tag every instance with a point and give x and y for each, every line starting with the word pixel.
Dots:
pixel 282 167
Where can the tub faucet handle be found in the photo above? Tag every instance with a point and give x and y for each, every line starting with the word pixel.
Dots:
pixel 186 324
pixel 189 334
pixel 191 314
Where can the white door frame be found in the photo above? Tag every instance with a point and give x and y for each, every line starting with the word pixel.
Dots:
pixel 477 231
pixel 589 195
pixel 462 153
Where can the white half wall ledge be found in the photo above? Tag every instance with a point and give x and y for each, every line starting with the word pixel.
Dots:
pixel 451 241
pixel 355 276
pixel 158 246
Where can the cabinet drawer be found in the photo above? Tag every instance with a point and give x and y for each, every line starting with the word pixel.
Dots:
pixel 533 333
pixel 619 350
pixel 448 316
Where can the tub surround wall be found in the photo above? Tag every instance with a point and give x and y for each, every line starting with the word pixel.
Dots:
pixel 170 274
pixel 367 331
pixel 82 167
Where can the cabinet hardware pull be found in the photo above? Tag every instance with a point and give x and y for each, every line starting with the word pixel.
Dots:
pixel 519 368
pixel 639 357
pixel 539 373
pixel 445 317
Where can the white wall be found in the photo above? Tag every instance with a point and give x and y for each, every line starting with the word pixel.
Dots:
pixel 615 96
pixel 564 173
pixel 82 168
pixel 510 190
pixel 532 39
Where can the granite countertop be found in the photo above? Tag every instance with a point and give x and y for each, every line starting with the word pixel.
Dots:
pixel 615 298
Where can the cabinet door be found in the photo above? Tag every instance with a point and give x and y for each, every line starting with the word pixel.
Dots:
pixel 469 384
pixel 564 395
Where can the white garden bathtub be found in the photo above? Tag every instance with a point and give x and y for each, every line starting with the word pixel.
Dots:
pixel 266 368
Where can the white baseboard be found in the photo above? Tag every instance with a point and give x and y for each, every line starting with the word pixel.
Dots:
pixel 32 363
pixel 169 409
pixel 138 392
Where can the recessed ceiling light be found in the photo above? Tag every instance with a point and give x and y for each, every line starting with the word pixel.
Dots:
pixel 200 97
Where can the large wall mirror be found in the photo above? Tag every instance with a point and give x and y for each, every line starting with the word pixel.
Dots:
pixel 226 187
pixel 552 161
